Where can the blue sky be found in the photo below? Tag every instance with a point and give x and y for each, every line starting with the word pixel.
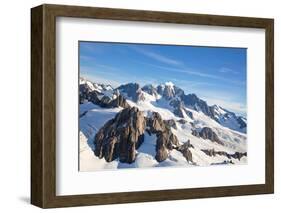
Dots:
pixel 217 75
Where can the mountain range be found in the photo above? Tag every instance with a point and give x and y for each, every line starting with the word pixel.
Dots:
pixel 151 126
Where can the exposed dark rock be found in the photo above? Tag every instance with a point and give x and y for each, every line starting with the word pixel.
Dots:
pixel 195 133
pixel 121 136
pixel 83 114
pixel 165 141
pixel 132 90
pixel 188 113
pixel 193 102
pixel 185 150
pixel 182 121
pixel 86 94
pixel 212 153
pixel 239 155
pixel 156 124
pixel 167 92
pixel 150 90
pixel 188 144
pixel 161 149
pixel 120 101
pixel 241 122
pixel 178 91
pixel 178 112
pixel 98 98
pixel 106 102
pixel 178 107
pixel 222 116
pixel 178 99
pixel 208 133
pixel 187 154
pixel 171 123
pixel 223 163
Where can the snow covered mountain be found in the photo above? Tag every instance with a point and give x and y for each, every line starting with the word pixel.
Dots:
pixel 154 126
pixel 182 103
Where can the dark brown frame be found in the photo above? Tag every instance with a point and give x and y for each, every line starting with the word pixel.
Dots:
pixel 43 105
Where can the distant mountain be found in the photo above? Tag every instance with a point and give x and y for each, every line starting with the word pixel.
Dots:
pixel 229 119
pixel 155 125
pixel 173 95
pixel 168 90
pixel 131 90
pixel 182 102
pixel 100 94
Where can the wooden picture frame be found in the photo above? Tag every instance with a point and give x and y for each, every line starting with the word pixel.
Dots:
pixel 43 105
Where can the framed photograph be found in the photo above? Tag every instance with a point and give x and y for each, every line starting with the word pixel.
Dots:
pixel 136 106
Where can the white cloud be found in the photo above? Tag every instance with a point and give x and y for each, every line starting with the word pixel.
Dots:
pixel 157 56
pixel 200 74
pixel 227 70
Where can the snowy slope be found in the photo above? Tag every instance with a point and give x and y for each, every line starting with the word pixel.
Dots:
pixel 93 117
pixel 229 119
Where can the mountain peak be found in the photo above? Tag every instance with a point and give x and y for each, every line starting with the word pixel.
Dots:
pixel 169 83
pixel 193 97
pixel 166 90
pixel 131 90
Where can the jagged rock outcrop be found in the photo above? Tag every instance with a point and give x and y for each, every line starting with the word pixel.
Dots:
pixel 193 102
pixel 132 90
pixel 207 133
pixel 239 155
pixel 85 93
pixel 187 154
pixel 225 117
pixel 213 153
pixel 150 89
pixel 195 133
pixel 119 101
pixel 175 96
pixel 209 152
pixel 185 150
pixel 182 121
pixel 121 136
pixel 155 123
pixel 179 109
pixel 178 112
pixel 98 98
pixel 171 123
pixel 223 162
pixel 166 140
pixel 169 90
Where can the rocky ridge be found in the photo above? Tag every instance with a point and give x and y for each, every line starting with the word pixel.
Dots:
pixel 121 136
